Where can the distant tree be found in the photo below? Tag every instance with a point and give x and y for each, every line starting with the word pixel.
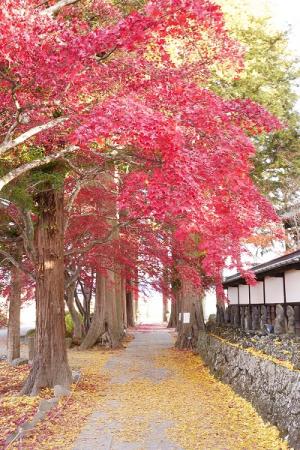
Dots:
pixel 269 77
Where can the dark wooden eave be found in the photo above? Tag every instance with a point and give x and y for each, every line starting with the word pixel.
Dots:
pixel 275 267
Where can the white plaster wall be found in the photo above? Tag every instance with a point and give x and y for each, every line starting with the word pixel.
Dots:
pixel 274 290
pixel 244 294
pixel 292 286
pixel 233 295
pixel 257 293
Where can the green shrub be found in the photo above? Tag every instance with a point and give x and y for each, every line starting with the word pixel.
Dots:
pixel 69 325
pixel 30 332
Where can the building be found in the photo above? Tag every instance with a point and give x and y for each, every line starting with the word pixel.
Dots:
pixel 274 300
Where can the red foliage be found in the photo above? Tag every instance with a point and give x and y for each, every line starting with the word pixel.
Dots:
pixel 126 100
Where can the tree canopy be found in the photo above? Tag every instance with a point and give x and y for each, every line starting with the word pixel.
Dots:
pixel 269 77
pixel 123 152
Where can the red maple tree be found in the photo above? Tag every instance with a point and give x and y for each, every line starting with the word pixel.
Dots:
pixel 96 89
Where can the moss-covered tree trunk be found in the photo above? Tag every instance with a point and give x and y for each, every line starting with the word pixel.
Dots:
pixel 119 302
pixel 50 365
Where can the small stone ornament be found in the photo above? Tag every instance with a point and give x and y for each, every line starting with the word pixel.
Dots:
pixel 226 316
pixel 247 319
pixel 255 318
pixel 236 317
pixel 263 317
pixel 291 326
pixel 280 321
pixel 19 362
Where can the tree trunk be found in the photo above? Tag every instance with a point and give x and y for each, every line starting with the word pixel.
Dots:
pixel 119 301
pixel 174 315
pixel 135 296
pixel 124 305
pixel 76 317
pixel 165 308
pixel 50 366
pixel 130 309
pixel 112 317
pixel 13 336
pixel 97 326
pixel 105 325
pixel 192 320
pixel 86 292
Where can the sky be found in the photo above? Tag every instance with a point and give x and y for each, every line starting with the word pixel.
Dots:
pixel 287 13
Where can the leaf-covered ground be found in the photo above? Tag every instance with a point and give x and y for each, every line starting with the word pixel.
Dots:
pixel 201 413
pixel 63 423
pixel 205 413
pixel 14 410
pixel 187 408
pixel 281 349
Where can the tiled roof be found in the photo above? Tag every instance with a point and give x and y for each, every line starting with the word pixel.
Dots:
pixel 270 266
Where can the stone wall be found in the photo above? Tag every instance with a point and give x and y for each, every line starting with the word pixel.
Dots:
pixel 273 389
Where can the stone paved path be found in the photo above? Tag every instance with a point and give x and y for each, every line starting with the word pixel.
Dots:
pixel 162 399
pixel 134 363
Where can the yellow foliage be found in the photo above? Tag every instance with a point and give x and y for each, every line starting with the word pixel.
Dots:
pixel 204 413
pixel 64 422
pixel 261 354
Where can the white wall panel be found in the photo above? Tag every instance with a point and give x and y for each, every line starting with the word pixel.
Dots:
pixel 233 295
pixel 292 286
pixel 244 294
pixel 274 290
pixel 257 293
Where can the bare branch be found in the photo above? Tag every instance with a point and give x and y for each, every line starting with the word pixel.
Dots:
pixel 87 180
pixel 78 302
pixel 88 247
pixel 103 56
pixel 5 146
pixel 54 9
pixel 12 260
pixel 15 173
pixel 71 278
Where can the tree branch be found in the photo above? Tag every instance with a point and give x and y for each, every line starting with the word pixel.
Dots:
pixel 8 145
pixel 15 173
pixel 78 302
pixel 13 261
pixel 54 9
pixel 71 278
pixel 88 247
